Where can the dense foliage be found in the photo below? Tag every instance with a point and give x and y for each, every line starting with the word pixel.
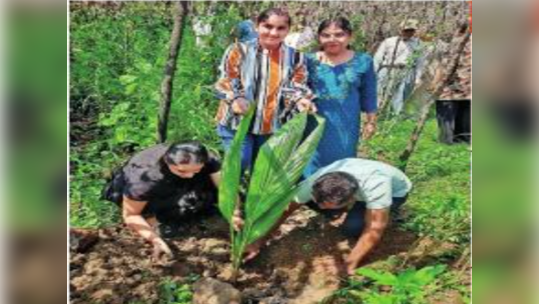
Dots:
pixel 118 56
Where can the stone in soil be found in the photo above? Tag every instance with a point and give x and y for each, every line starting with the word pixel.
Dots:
pixel 212 291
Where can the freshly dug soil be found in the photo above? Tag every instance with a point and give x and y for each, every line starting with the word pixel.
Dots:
pixel 304 264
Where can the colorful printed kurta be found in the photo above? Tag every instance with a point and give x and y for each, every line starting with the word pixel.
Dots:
pixel 274 81
pixel 343 92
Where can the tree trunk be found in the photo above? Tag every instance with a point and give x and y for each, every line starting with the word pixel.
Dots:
pixel 180 14
pixel 410 148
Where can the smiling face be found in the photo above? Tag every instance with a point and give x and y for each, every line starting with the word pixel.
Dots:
pixel 185 170
pixel 272 31
pixel 334 40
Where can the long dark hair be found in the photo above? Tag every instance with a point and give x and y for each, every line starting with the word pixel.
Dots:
pixel 191 152
pixel 339 22
pixel 265 15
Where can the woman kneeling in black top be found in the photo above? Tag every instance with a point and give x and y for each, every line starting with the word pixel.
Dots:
pixel 167 183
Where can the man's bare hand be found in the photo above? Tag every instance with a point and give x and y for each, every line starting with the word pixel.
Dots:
pixel 351 264
pixel 253 250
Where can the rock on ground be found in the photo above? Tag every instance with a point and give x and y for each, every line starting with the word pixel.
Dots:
pixel 212 291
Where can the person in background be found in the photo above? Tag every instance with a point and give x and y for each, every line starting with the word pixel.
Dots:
pixel 162 186
pixel 398 63
pixel 201 24
pixel 202 29
pixel 344 83
pixel 245 30
pixel 303 36
pixel 263 72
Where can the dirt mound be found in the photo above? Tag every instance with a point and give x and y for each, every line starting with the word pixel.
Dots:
pixel 303 264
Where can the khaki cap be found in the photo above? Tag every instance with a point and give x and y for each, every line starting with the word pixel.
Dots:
pixel 409 24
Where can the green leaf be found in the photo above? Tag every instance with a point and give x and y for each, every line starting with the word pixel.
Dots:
pixel 131 88
pixel 269 177
pixel 382 299
pixel 120 135
pixel 231 171
pixel 428 274
pixel 297 162
pixel 278 167
pixel 127 79
pixel 265 222
pixel 279 164
pixel 380 278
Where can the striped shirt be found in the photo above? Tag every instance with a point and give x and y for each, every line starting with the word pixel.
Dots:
pixel 273 80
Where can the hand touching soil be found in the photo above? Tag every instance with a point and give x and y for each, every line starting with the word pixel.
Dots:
pixel 161 251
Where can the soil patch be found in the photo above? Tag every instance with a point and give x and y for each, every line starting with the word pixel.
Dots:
pixel 304 264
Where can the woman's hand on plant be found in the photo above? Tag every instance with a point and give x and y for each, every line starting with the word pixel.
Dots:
pixel 306 105
pixel 240 105
pixel 237 220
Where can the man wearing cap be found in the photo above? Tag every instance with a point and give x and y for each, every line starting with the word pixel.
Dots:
pixel 398 62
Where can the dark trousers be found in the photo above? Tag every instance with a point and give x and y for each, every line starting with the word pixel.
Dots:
pixel 454 120
pixel 354 223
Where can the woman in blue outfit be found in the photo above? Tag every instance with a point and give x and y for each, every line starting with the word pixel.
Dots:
pixel 344 82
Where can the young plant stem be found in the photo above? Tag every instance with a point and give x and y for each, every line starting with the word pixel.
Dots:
pixel 240 249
